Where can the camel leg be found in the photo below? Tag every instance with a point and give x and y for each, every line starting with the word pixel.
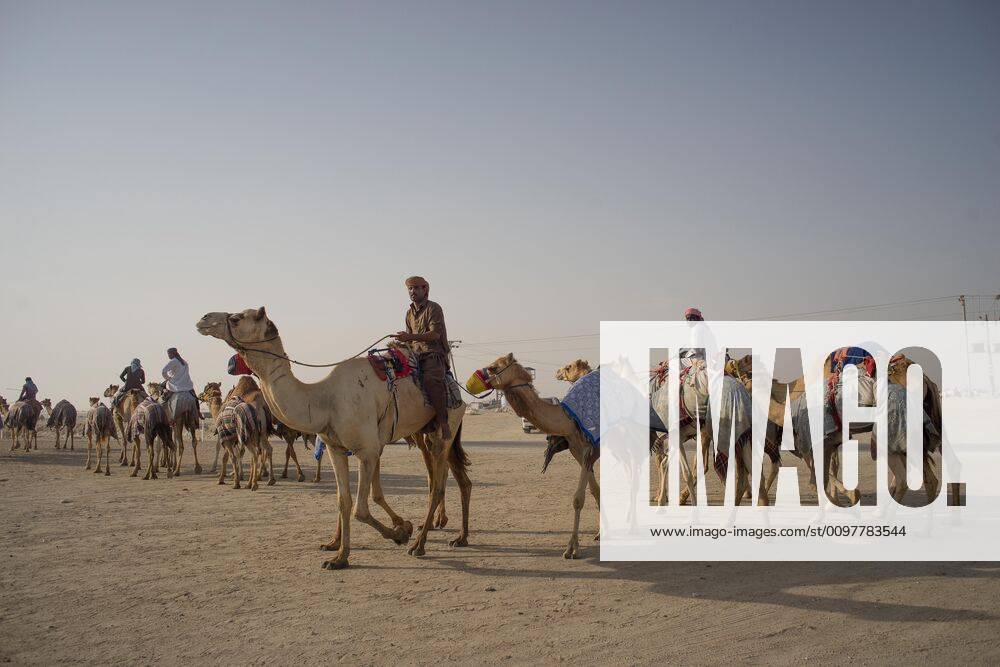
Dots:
pixel 194 450
pixel 151 453
pixel 931 480
pixel 271 481
pixel 366 474
pixel 215 463
pixel 595 489
pixel 897 466
pixel 225 461
pixel 340 469
pixel 764 494
pixel 72 440
pixel 90 446
pixel 319 467
pixel 465 491
pixel 572 549
pixel 136 461
pixel 107 455
pixel 179 437
pixel 288 457
pixel 300 476
pixel 398 523
pixel 435 497
pixel 441 520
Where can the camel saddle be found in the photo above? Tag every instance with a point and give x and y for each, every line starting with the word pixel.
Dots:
pixel 390 363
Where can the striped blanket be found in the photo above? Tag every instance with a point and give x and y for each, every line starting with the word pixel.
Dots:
pixel 147 415
pixel 237 421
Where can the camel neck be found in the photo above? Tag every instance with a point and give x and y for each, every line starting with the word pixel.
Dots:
pixel 547 417
pixel 288 397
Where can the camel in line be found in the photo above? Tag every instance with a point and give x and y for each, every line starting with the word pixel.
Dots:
pixel 62 416
pixel 350 410
pixel 149 422
pixel 239 428
pixel 21 420
pixel 211 396
pixel 100 427
pixel 507 375
pixel 290 435
pixel 122 414
pixel 183 413
pixel 574 370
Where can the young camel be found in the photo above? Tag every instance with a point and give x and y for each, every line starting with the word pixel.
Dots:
pixel 100 427
pixel 507 375
pixel 346 409
pixel 183 413
pixel 211 395
pixel 122 414
pixel 290 435
pixel 62 416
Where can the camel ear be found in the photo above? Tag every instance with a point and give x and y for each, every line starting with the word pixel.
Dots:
pixel 260 313
pixel 509 358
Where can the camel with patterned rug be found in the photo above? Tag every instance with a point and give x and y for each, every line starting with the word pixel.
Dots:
pixel 21 420
pixel 149 422
pixel 352 410
pixel 62 416
pixel 183 413
pixel 122 413
pixel 99 428
pixel 507 375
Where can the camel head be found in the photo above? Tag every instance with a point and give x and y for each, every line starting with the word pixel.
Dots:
pixel 213 390
pixel 94 400
pixel 504 372
pixel 111 390
pixel 251 327
pixel 47 404
pixel 573 371
pixel 156 389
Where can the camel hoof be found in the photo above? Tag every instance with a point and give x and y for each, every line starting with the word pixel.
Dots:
pixel 107 473
pixel 400 537
pixel 569 554
pixel 408 527
pixel 330 546
pixel 300 478
pixel 317 479
pixel 597 538
pixel 462 541
pixel 284 475
pixel 441 522
pixel 335 564
pixel 416 550
pixel 272 482
pixel 87 467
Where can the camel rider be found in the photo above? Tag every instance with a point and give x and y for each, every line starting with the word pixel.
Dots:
pixel 28 393
pixel 177 375
pixel 702 344
pixel 428 338
pixel 133 377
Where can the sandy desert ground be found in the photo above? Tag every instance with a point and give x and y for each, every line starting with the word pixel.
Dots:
pixel 114 570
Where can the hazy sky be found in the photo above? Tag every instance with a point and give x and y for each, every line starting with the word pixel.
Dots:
pixel 545 165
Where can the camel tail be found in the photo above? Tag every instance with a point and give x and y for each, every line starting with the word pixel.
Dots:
pixel 457 457
pixel 557 443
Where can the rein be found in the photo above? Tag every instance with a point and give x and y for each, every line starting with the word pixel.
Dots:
pixel 241 346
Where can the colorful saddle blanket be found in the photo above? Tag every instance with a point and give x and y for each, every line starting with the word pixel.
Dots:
pixel 583 405
pixel 391 363
pixel 147 415
pixel 238 420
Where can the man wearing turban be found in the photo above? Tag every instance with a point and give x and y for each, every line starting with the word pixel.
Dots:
pixel 428 338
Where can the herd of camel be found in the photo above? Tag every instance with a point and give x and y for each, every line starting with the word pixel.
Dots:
pixel 357 413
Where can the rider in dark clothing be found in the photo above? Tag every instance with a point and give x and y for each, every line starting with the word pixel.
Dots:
pixel 134 378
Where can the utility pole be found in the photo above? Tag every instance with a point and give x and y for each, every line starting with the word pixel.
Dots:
pixel 968 364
